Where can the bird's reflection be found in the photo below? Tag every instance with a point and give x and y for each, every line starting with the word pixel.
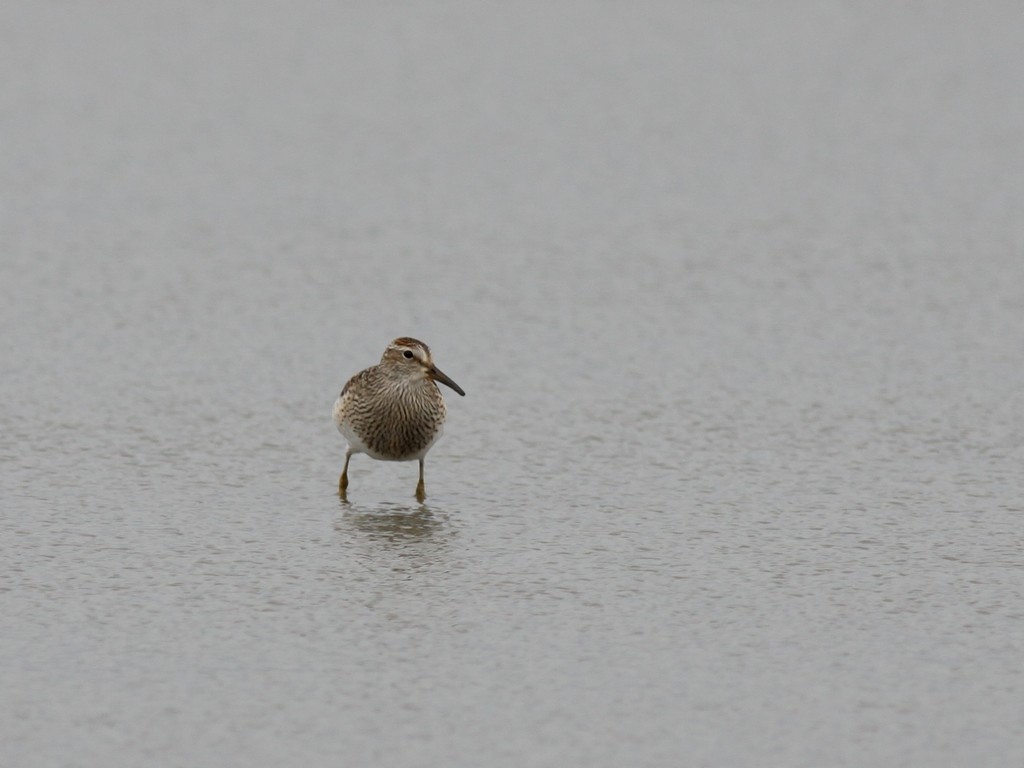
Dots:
pixel 394 522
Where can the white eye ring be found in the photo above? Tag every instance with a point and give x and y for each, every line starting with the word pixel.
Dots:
pixel 407 355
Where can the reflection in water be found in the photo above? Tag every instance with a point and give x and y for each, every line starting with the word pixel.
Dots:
pixel 392 521
pixel 396 537
pixel 397 524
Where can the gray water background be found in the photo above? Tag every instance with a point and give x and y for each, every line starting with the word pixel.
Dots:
pixel 736 291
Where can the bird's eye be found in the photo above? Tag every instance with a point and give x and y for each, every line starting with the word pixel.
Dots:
pixel 407 354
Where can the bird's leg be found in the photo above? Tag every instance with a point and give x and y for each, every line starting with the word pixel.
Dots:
pixel 421 494
pixel 343 482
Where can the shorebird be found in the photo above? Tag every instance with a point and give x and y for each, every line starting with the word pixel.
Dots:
pixel 393 411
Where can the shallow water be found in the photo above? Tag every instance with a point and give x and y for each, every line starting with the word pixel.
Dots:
pixel 736 298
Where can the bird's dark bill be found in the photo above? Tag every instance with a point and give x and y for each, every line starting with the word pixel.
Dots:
pixel 438 375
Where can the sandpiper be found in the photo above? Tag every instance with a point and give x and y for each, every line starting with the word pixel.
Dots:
pixel 393 411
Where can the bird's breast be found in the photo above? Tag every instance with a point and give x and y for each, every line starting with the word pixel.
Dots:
pixel 393 424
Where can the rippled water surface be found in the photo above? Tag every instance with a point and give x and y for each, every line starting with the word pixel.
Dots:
pixel 736 293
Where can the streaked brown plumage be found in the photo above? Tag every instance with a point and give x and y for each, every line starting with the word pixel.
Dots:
pixel 393 411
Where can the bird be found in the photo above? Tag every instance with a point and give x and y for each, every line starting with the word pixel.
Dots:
pixel 393 411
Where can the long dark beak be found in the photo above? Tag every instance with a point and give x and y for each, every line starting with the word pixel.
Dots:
pixel 438 375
